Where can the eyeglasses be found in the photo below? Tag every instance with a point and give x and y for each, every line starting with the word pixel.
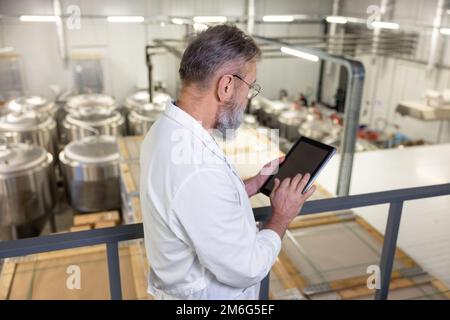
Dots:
pixel 255 88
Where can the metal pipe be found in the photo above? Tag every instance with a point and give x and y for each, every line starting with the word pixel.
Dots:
pixel 250 16
pixel 355 82
pixel 389 247
pixel 148 61
pixel 60 32
pixel 115 287
pixel 432 57
pixel 264 288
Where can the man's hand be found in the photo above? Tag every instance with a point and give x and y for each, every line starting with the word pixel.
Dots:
pixel 254 184
pixel 287 200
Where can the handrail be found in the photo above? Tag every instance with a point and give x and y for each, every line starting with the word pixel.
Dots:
pixel 111 236
pixel 363 200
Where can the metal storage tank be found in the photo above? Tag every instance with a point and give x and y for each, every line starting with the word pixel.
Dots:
pixel 90 168
pixel 142 97
pixel 141 100
pixel 141 119
pixel 27 184
pixel 270 111
pixel 88 121
pixel 30 126
pixel 289 121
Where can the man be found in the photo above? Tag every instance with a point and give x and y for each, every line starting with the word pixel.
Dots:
pixel 200 234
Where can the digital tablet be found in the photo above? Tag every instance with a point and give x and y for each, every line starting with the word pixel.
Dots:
pixel 306 156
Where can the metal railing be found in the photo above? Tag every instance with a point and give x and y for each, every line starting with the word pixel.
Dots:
pixel 112 236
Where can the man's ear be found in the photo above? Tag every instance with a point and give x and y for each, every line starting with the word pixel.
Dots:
pixel 225 87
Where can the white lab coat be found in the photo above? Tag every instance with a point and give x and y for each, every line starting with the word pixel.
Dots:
pixel 200 234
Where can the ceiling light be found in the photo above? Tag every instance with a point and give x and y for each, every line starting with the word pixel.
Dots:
pixel 445 31
pixel 125 19
pixel 39 18
pixel 299 54
pixel 279 18
pixel 337 19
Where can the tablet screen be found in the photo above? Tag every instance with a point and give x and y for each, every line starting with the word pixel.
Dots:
pixel 307 156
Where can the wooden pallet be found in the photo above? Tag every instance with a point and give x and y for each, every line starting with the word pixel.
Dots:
pixel 129 147
pixel 87 221
pixel 44 276
pixel 129 176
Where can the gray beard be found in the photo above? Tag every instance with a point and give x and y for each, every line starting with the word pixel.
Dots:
pixel 230 117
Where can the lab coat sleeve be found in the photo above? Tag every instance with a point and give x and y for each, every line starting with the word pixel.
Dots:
pixel 226 241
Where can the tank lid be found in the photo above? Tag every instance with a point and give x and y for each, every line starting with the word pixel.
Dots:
pixel 20 156
pixel 152 107
pixel 92 99
pixel 146 114
pixel 94 116
pixel 23 121
pixel 275 106
pixel 93 149
pixel 30 103
pixel 161 98
pixel 140 98
pixel 250 119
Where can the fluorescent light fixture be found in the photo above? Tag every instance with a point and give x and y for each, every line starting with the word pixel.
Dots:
pixel 280 18
pixel 445 31
pixel 177 21
pixel 385 25
pixel 210 19
pixel 125 19
pixel 337 19
pixel 299 54
pixel 6 49
pixel 39 18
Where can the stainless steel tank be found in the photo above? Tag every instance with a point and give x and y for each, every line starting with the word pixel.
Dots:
pixel 314 129
pixel 76 102
pixel 142 97
pixel 141 119
pixel 27 183
pixel 255 106
pixel 289 122
pixel 270 110
pixel 90 168
pixel 30 126
pixel 88 121
pixel 141 100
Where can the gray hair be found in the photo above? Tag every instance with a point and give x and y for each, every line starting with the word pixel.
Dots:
pixel 212 49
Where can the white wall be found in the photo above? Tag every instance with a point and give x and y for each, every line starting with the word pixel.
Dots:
pixel 122 45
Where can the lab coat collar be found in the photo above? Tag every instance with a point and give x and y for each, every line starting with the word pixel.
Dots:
pixel 195 127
